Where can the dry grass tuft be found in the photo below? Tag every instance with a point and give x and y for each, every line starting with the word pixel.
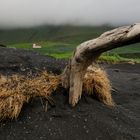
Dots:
pixel 97 83
pixel 16 90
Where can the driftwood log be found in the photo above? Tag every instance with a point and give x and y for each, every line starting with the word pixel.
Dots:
pixel 88 52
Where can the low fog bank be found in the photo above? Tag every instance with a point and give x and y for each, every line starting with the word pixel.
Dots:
pixel 28 13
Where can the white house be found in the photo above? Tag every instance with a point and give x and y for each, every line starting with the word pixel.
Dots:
pixel 36 46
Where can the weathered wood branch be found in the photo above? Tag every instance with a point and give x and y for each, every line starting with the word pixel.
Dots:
pixel 87 52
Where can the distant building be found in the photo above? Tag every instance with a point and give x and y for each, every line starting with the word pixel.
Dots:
pixel 36 46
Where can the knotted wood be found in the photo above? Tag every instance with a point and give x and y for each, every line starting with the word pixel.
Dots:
pixel 87 53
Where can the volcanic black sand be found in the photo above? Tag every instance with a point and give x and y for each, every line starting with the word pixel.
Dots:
pixel 89 120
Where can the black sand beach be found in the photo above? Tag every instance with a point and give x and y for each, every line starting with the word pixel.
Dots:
pixel 89 120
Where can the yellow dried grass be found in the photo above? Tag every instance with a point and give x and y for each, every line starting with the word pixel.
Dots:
pixel 16 90
pixel 96 83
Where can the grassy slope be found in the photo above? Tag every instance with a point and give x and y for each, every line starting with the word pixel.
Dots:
pixel 67 34
pixel 60 41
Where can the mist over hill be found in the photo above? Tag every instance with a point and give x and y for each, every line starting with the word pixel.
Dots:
pixel 28 13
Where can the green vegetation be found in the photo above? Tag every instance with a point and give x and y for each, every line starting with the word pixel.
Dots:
pixel 114 58
pixel 56 49
pixel 60 41
pixel 63 50
pixel 66 34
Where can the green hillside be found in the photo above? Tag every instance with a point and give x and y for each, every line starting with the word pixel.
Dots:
pixel 60 41
pixel 70 34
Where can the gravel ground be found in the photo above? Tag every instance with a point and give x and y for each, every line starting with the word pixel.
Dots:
pixel 89 120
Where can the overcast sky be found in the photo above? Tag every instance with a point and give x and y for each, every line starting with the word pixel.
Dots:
pixel 20 13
